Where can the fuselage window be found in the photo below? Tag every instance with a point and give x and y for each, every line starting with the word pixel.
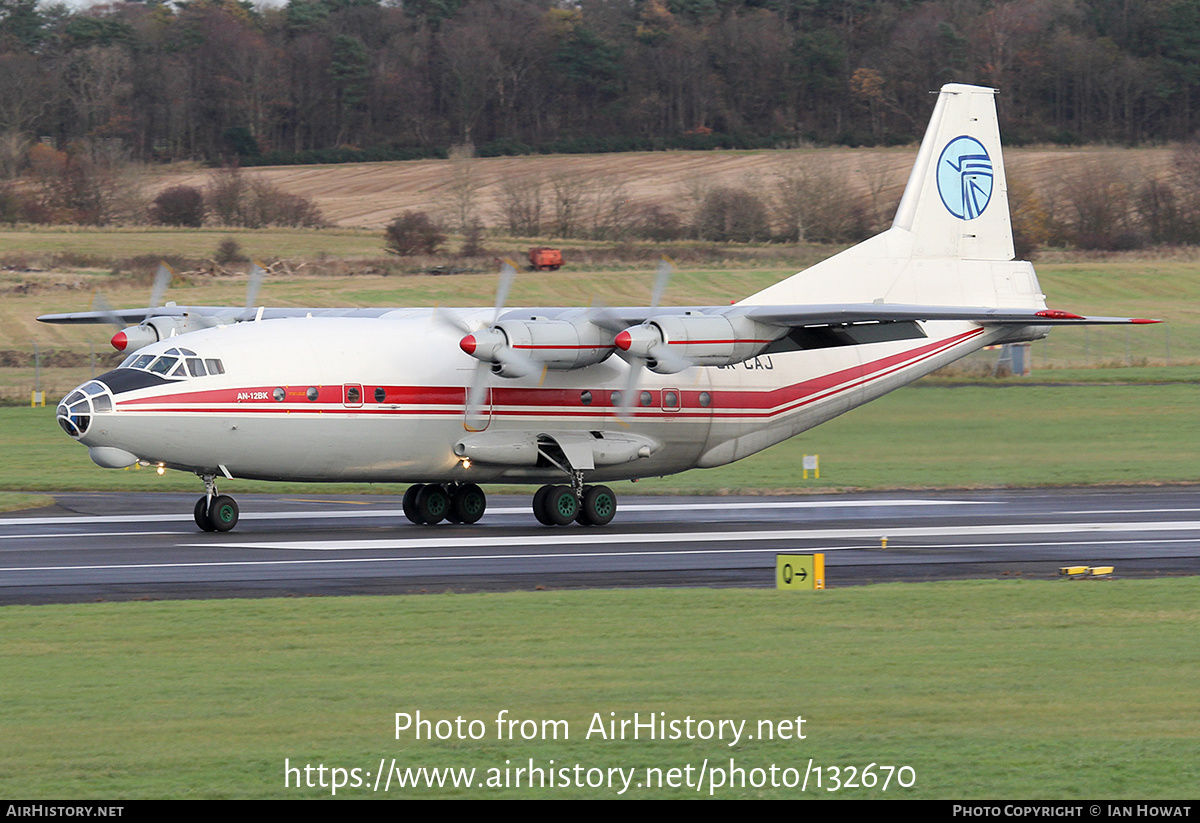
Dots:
pixel 215 366
pixel 380 395
pixel 586 398
pixel 312 393
pixel 196 367
pixel 353 395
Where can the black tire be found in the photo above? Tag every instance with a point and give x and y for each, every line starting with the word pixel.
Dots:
pixel 433 504
pixel 561 505
pixel 410 504
pixel 223 512
pixel 201 514
pixel 468 504
pixel 598 507
pixel 539 506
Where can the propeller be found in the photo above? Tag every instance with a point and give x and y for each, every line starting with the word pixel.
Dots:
pixel 489 346
pixel 127 334
pixel 640 345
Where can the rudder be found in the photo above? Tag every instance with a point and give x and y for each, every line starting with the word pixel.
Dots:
pixel 950 243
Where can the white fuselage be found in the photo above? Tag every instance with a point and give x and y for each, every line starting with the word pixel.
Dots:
pixel 384 400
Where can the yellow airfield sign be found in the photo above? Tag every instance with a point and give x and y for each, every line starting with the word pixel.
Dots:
pixel 800 572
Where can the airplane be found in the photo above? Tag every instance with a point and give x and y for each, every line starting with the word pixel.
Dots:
pixel 571 399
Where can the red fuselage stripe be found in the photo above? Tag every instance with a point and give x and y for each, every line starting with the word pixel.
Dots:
pixel 449 400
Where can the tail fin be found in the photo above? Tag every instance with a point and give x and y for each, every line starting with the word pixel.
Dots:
pixel 951 240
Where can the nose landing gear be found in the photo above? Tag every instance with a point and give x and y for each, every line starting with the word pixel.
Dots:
pixel 215 512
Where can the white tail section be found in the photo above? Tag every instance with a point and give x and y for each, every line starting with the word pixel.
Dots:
pixel 951 241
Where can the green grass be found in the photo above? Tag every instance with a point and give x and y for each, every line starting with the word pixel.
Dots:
pixel 15 501
pixel 976 436
pixel 999 689
pixel 917 437
pixel 125 243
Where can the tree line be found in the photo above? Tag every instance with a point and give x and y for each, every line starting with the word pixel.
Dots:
pixel 328 80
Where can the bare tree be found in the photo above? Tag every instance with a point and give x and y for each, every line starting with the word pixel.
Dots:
pixel 13 146
pixel 610 214
pixel 521 204
pixel 462 194
pixel 816 203
pixel 569 192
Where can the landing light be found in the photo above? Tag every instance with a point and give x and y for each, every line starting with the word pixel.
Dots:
pixel 161 469
pixel 466 464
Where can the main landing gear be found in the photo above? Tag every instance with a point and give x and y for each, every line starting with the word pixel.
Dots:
pixel 560 505
pixel 432 503
pixel 215 512
pixel 428 504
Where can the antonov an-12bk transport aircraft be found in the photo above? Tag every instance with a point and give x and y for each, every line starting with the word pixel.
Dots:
pixel 572 398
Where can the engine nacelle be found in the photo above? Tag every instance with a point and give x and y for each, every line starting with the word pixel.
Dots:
pixel 154 329
pixel 554 344
pixel 697 339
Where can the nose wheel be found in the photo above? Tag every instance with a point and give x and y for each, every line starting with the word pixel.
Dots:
pixel 218 515
pixel 215 512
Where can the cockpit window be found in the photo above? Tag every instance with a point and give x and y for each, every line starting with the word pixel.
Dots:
pixel 163 365
pixel 178 362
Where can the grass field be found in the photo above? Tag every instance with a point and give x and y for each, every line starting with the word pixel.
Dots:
pixel 984 690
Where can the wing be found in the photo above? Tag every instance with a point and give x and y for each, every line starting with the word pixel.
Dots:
pixel 219 314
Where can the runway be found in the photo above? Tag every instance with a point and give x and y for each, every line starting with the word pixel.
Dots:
pixel 146 546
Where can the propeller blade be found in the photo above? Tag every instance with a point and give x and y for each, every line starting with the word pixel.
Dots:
pixel 629 393
pixel 518 364
pixel 449 321
pixel 668 361
pixel 607 319
pixel 661 279
pixel 508 273
pixel 477 395
pixel 162 278
pixel 257 273
pixel 110 314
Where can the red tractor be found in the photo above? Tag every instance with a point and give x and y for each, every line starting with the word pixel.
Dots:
pixel 543 258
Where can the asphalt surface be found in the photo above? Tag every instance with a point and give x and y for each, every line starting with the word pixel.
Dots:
pixel 146 546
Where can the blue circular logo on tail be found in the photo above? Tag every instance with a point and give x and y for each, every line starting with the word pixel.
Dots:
pixel 964 177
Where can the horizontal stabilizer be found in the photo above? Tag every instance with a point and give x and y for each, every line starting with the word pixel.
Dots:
pixel 831 315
